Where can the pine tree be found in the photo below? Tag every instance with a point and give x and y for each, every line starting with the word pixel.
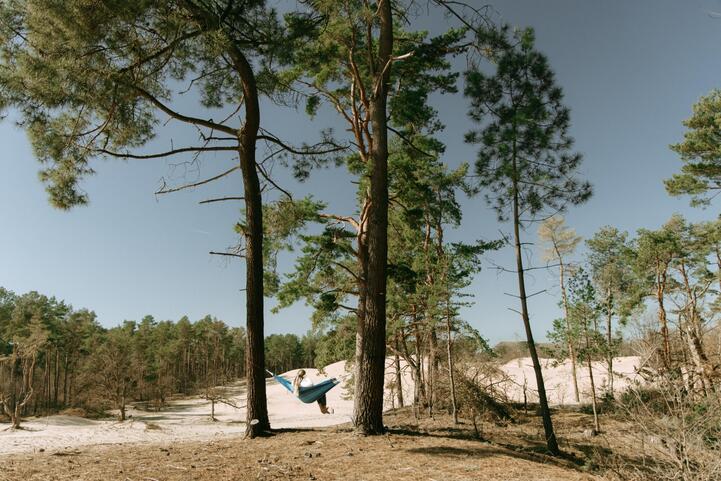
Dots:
pixel 97 82
pixel 378 78
pixel 610 259
pixel 525 163
pixel 584 313
pixel 700 152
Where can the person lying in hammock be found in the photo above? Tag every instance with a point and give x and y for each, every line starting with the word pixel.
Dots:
pixel 300 382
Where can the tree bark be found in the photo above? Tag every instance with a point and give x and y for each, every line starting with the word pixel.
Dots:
pixel 660 292
pixel 449 351
pixel 399 376
pixel 551 441
pixel 257 408
pixel 695 334
pixel 432 367
pixel 609 339
pixel 371 338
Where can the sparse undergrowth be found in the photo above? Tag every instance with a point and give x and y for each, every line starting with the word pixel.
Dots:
pixel 424 449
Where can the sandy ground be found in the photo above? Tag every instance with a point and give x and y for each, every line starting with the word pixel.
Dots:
pixel 426 449
pixel 188 419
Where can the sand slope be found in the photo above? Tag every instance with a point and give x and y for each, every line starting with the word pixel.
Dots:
pixel 558 379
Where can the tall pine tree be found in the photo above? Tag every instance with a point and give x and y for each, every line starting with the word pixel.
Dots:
pixel 525 163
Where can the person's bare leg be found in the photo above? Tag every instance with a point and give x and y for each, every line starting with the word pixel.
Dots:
pixel 322 404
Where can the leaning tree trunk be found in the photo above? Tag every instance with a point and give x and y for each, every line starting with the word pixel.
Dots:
pixel 371 338
pixel 551 442
pixel 257 408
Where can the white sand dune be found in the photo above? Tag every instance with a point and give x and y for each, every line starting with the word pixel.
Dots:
pixel 188 419
pixel 559 382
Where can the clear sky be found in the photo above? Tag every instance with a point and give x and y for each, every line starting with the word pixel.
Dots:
pixel 631 70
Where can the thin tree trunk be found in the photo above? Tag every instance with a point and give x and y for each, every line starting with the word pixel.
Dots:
pixel 432 368
pixel 420 382
pixel 57 377
pixel 698 353
pixel 609 340
pixel 371 340
pixel 65 379
pixel 551 442
pixel 449 351
pixel 569 334
pixel 399 376
pixel 660 292
pixel 596 425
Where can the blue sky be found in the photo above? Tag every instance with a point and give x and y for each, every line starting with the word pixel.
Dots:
pixel 631 71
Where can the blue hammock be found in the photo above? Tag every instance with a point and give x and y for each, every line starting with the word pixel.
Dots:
pixel 308 394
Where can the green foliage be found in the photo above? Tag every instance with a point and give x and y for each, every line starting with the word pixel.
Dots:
pixel 283 352
pixel 284 220
pixel 97 368
pixel 700 152
pixel 524 145
pixel 338 343
pixel 94 82
pixel 611 257
pixel 583 316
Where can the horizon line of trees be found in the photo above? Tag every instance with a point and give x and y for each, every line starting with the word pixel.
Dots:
pixel 54 357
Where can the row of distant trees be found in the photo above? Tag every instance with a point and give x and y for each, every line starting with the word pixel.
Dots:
pixel 53 357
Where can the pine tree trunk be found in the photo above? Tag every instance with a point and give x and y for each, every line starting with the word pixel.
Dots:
pixel 660 292
pixel 371 338
pixel 432 368
pixel 596 425
pixel 399 376
pixel 57 378
pixel 449 351
pixel 122 408
pixel 256 406
pixel 551 442
pixel 609 340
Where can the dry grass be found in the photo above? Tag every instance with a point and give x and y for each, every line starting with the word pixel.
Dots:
pixel 427 450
